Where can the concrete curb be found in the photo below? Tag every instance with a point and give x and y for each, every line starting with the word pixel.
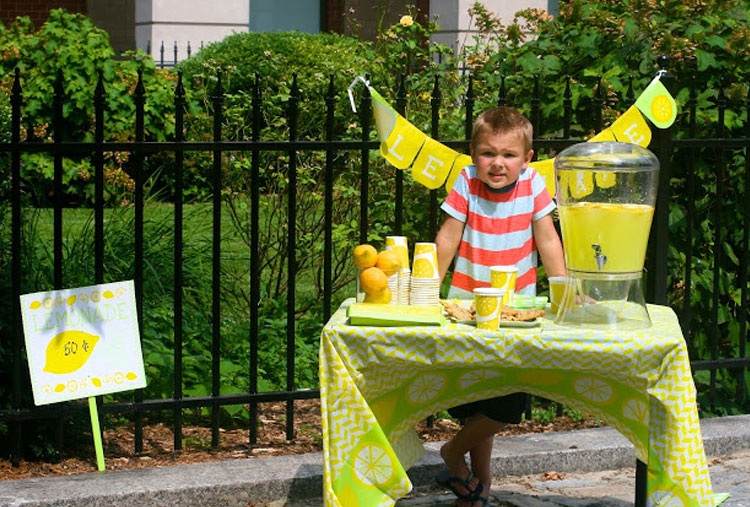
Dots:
pixel 239 482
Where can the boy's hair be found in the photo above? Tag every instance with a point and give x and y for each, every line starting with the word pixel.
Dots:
pixel 500 120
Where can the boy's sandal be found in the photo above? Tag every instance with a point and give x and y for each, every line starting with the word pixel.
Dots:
pixel 445 480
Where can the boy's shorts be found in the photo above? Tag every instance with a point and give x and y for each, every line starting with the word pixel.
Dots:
pixel 505 409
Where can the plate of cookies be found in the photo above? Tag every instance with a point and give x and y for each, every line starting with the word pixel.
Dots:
pixel 462 311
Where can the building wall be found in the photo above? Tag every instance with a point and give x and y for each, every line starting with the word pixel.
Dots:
pixel 456 28
pixel 37 10
pixel 116 17
pixel 182 21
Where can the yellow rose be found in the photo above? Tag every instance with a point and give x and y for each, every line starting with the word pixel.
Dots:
pixel 406 20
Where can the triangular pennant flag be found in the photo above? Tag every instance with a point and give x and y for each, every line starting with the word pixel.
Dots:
pixel 433 164
pixel 546 169
pixel 657 104
pixel 385 115
pixel 631 128
pixel 402 144
pixel 458 166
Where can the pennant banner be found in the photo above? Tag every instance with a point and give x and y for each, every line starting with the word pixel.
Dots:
pixel 433 164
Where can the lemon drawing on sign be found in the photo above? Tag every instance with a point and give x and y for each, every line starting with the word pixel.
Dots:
pixel 593 389
pixel 46 388
pixel 96 381
pixel 71 300
pixel 83 298
pixel 373 464
pixel 95 296
pixel 72 386
pixel 120 291
pixel 59 388
pixel 34 305
pixel 426 388
pixel 108 294
pixel 59 301
pixel 131 376
pixel 635 410
pixel 661 108
pixel 664 498
pixel 68 351
pixel 48 302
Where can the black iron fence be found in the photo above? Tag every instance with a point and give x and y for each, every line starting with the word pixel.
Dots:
pixel 677 183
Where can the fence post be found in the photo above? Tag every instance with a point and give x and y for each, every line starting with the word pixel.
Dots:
pixel 657 275
pixel 16 99
pixel 254 256
pixel 179 132
pixel 330 100
pixel 139 98
pixel 291 255
pixel 218 103
pixel 365 111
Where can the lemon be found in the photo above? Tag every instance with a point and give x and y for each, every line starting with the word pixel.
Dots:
pixel 71 300
pixel 35 305
pixel 373 280
pixel 388 261
pixel 96 381
pixel 365 256
pixel 68 351
pixel 382 297
pixel 108 294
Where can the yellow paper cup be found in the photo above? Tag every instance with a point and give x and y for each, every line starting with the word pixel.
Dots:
pixel 488 302
pixel 400 245
pixel 556 290
pixel 504 277
pixel 425 261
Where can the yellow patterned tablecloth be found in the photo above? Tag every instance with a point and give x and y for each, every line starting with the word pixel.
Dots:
pixel 377 382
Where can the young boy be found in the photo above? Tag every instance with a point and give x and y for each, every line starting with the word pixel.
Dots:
pixel 498 214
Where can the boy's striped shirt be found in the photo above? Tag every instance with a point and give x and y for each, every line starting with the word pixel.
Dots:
pixel 497 229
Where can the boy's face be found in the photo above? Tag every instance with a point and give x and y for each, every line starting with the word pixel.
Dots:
pixel 500 157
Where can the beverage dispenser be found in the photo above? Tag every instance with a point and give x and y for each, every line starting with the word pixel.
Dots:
pixel 606 194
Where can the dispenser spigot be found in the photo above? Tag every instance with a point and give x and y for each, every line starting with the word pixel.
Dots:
pixel 600 258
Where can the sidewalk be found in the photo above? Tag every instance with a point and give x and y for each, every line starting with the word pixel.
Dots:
pixel 598 465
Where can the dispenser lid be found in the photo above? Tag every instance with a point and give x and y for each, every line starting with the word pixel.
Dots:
pixel 606 156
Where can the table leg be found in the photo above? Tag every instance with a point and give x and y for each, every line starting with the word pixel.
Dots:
pixel 641 483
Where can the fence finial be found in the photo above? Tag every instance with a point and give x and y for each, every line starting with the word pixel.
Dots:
pixel 351 87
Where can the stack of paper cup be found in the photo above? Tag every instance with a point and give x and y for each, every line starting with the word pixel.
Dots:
pixel 504 277
pixel 425 277
pixel 395 281
pixel 400 245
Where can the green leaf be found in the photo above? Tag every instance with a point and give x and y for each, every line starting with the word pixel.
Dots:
pixel 705 60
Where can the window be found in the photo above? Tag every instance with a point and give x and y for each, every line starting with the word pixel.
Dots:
pixel 277 15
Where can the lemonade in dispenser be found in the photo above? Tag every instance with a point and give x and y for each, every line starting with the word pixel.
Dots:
pixel 606 194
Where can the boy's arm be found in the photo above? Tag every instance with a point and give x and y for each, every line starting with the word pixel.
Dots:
pixel 549 246
pixel 448 238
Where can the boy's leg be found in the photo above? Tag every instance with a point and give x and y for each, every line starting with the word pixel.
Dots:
pixel 475 437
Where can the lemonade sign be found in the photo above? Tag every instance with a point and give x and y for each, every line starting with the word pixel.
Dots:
pixel 82 342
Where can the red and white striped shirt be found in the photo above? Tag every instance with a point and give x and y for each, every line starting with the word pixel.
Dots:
pixel 497 229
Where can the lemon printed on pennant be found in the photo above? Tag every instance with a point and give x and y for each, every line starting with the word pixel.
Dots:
pixel 593 389
pixel 426 388
pixel 661 108
pixel 470 378
pixel 68 351
pixel 34 305
pixel 664 498
pixel 635 410
pixel 373 464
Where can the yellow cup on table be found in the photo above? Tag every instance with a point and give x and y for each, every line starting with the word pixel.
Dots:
pixel 488 303
pixel 425 261
pixel 504 277
pixel 556 290
pixel 400 245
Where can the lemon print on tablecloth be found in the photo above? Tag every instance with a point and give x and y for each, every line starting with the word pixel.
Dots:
pixel 664 498
pixel 68 351
pixel 593 389
pixel 426 388
pixel 470 378
pixel 423 269
pixel 635 410
pixel 374 464
pixel 661 108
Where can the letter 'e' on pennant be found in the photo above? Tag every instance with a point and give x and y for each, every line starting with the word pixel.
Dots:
pixel 631 128
pixel 657 104
pixel 403 143
pixel 433 164
pixel 458 166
